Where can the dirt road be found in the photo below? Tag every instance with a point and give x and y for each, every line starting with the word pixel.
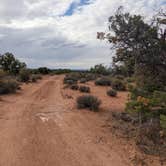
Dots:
pixel 40 126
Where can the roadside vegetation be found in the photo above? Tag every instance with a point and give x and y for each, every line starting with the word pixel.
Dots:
pixel 141 58
pixel 13 73
pixel 139 67
pixel 88 101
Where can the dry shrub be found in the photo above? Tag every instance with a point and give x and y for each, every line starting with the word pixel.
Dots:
pixel 88 101
pixel 112 93
pixel 8 86
pixel 84 89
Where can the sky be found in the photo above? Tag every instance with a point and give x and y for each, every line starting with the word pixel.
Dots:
pixel 62 33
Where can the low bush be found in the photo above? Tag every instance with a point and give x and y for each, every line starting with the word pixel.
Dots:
pixel 90 76
pixel 89 102
pixel 74 87
pixel 118 85
pixel 35 77
pixel 112 93
pixel 8 86
pixel 24 75
pixel 69 79
pixel 84 89
pixel 69 82
pixel 83 80
pixel 104 81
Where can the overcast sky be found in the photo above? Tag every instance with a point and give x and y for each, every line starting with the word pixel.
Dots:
pixel 62 33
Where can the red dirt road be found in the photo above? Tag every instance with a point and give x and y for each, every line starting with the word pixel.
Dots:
pixel 40 126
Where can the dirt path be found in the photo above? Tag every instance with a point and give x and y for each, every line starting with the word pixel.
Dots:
pixel 40 126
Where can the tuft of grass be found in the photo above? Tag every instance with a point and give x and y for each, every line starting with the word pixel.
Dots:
pixel 88 101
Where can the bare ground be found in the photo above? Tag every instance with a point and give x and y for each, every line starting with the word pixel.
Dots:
pixel 41 126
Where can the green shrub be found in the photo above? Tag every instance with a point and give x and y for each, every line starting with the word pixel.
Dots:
pixel 24 75
pixel 74 87
pixel 104 81
pixel 100 69
pixel 118 85
pixel 44 70
pixel 8 86
pixel 89 102
pixel 112 93
pixel 84 89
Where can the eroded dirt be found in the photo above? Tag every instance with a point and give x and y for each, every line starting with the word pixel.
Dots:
pixel 41 126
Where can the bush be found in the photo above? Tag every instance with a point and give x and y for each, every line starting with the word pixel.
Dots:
pixel 24 75
pixel 112 93
pixel 74 87
pixel 104 81
pixel 35 77
pixel 84 89
pixel 44 70
pixel 118 85
pixel 8 86
pixel 100 69
pixel 89 102
pixel 83 80
pixel 130 79
pixel 69 79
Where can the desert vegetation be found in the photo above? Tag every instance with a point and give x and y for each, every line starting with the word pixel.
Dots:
pixel 13 73
pixel 88 101
pixel 140 53
pixel 128 97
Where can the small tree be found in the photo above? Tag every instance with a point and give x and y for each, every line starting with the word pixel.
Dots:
pixel 10 64
pixel 100 69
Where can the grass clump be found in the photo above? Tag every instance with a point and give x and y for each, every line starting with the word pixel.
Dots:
pixel 112 93
pixel 84 89
pixel 88 101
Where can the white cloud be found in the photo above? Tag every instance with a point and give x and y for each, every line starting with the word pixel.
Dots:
pixel 37 31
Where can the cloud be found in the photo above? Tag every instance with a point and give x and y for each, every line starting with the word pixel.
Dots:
pixel 56 33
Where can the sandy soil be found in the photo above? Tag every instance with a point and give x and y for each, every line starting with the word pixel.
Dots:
pixel 41 126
